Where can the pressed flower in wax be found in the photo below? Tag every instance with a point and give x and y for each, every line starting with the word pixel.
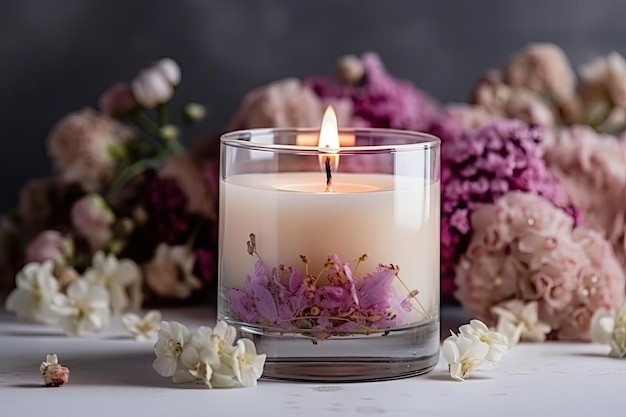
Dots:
pixel 289 299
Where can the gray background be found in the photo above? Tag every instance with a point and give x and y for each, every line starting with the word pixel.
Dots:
pixel 57 56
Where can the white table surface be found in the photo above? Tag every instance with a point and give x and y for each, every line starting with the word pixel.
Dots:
pixel 112 375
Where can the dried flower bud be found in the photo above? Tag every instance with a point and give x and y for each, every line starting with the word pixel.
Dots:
pixel 169 132
pixel 350 69
pixel 53 374
pixel 251 244
pixel 194 112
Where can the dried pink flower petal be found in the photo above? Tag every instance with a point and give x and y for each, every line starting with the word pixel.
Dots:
pixel 289 300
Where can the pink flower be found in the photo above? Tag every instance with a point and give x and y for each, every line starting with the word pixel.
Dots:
pixel 592 168
pixel 540 257
pixel 543 68
pixel 81 146
pixel 117 101
pixel 170 272
pixel 286 103
pixel 92 218
pixel 49 245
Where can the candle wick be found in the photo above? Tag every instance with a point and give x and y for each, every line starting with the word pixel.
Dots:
pixel 329 176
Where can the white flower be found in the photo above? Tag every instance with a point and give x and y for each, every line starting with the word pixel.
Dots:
pixel 36 287
pixel 155 85
pixel 142 328
pixel 223 338
pixel 497 342
pixel 196 365
pixel 119 277
pixel 219 340
pixel 84 310
pixel 173 338
pixel 170 272
pixel 611 330
pixel 170 70
pixel 464 355
pixel 602 326
pixel 520 321
pixel 246 365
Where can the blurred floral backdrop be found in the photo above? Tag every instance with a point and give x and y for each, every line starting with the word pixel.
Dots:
pixel 59 56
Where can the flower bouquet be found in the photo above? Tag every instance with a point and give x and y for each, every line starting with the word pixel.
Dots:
pixel 127 220
pixel 533 219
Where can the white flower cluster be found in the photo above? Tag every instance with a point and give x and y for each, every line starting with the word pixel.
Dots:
pixel 209 356
pixel 474 347
pixel 610 329
pixel 518 320
pixel 79 304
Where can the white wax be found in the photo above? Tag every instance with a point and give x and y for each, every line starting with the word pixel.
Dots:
pixel 392 219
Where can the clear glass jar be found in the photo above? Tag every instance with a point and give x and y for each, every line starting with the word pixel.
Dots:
pixel 330 262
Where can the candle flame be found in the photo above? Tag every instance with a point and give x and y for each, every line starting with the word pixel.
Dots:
pixel 328 143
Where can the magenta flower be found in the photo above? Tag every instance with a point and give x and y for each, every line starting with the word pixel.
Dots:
pixel 479 166
pixel 289 301
pixel 379 100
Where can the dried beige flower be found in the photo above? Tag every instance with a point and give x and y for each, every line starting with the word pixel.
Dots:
pixel 53 374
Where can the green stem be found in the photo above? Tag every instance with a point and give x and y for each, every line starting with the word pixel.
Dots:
pixel 145 123
pixel 162 114
pixel 130 172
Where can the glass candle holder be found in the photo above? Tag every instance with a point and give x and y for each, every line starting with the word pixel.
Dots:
pixel 330 262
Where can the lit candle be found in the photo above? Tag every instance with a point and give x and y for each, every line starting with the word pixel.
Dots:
pixel 394 218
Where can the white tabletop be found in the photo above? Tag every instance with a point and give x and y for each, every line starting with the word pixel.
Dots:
pixel 111 375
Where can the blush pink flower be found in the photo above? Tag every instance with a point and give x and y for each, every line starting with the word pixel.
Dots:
pixel 538 256
pixel 92 218
pixel 592 168
pixel 286 103
pixel 49 245
pixel 543 68
pixel 81 146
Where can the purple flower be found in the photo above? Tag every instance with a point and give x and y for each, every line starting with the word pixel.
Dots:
pixel 291 301
pixel 379 100
pixel 478 167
